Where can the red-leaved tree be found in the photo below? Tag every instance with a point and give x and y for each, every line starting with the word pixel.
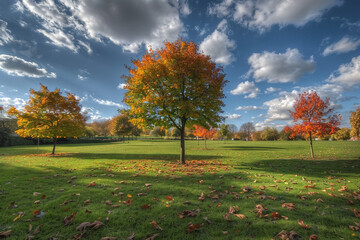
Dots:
pixel 202 132
pixel 313 118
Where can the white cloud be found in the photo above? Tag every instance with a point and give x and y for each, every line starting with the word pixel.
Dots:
pixel 16 66
pixel 121 86
pixel 246 88
pixel 7 102
pixel 60 39
pixel 272 89
pixel 344 45
pixel 281 67
pixel 218 45
pixel 81 77
pixel 127 23
pixel 262 14
pixel 5 33
pixel 279 107
pixel 107 102
pixel 249 108
pixel 221 9
pixel 93 114
pixel 347 74
pixel 233 116
pixel 86 46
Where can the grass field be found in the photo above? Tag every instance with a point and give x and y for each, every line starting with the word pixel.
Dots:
pixel 214 196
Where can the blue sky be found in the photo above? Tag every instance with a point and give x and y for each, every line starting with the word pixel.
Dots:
pixel 271 50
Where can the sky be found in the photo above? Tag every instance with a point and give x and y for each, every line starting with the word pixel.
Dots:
pixel 271 50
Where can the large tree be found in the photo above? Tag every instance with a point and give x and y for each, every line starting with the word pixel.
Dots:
pixel 355 123
pixel 175 86
pixel 49 114
pixel 313 117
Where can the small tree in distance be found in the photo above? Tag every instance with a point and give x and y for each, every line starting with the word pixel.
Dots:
pixel 313 117
pixel 121 126
pixel 176 86
pixel 48 114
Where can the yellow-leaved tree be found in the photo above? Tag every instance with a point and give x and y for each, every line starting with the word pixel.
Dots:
pixel 48 114
pixel 176 86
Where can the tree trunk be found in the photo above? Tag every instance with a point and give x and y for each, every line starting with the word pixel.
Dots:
pixel 311 147
pixel 205 142
pixel 53 151
pixel 182 145
pixel 198 140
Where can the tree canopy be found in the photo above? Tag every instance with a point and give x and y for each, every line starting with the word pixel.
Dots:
pixel 48 114
pixel 175 86
pixel 355 123
pixel 313 117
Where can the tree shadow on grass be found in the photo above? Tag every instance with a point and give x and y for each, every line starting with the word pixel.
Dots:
pixel 251 148
pixel 133 218
pixel 133 156
pixel 315 168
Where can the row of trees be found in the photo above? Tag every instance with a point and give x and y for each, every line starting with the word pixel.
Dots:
pixel 175 87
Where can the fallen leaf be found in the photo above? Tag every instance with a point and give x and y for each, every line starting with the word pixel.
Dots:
pixel 207 220
pixel 5 234
pixel 146 206
pixel 87 202
pixel 169 198
pixel 107 202
pixel 154 223
pixel 356 213
pixel 91 184
pixel 227 217
pixel 231 210
pixel 109 238
pixel 193 227
pixel 301 223
pixel 313 237
pixel 275 215
pixel 152 237
pixel 241 216
pixel 148 184
pixel 289 206
pixel 68 220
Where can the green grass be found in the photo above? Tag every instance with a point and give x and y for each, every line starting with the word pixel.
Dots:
pixel 284 168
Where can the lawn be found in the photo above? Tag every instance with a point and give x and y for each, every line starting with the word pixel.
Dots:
pixel 236 190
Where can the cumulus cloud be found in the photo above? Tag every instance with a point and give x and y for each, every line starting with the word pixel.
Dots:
pixel 279 67
pixel 121 86
pixel 246 88
pixel 81 77
pixel 218 45
pixel 126 23
pixel 107 102
pixel 7 102
pixel 272 89
pixel 16 66
pixel 5 33
pixel 233 116
pixel 93 114
pixel 249 108
pixel 347 74
pixel 261 15
pixel 344 45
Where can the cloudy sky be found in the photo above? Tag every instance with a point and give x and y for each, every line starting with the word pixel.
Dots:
pixel 271 50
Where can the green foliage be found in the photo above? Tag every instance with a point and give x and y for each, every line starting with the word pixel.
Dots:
pixel 342 134
pixel 175 132
pixel 270 134
pixel 121 126
pixel 224 130
pixel 157 132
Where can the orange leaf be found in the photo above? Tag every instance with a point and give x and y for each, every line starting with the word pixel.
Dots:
pixel 301 223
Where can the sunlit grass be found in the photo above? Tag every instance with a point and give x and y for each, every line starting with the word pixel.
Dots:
pixel 122 169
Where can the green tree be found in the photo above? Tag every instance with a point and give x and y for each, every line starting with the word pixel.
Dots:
pixel 355 123
pixel 176 86
pixel 224 131
pixel 48 114
pixel 121 126
pixel 175 132
pixel 342 134
pixel 270 134
pixel 157 132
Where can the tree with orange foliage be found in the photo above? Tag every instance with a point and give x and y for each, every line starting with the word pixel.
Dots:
pixel 48 114
pixel 175 86
pixel 313 117
pixel 204 133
